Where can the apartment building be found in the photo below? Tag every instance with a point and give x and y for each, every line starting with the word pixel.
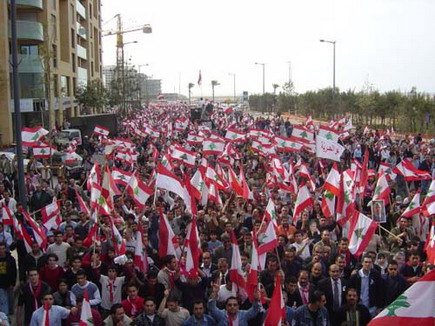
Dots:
pixel 61 38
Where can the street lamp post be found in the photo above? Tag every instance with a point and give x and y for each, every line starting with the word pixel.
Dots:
pixel 264 76
pixel 333 67
pixel 234 84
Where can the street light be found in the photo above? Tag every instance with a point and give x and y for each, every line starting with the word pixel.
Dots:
pixel 333 66
pixel 264 78
pixel 234 85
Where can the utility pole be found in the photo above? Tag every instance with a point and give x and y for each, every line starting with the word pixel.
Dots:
pixel 17 108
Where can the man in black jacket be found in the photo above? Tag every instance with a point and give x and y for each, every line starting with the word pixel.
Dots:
pixel 334 288
pixel 8 276
pixel 352 312
pixel 395 284
pixel 369 285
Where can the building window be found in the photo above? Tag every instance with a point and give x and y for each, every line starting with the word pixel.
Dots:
pixel 55 86
pixel 53 27
pixel 53 4
pixel 90 10
pixel 64 84
pixel 92 69
pixel 73 14
pixel 73 38
pixel 30 49
pixel 73 62
pixel 54 54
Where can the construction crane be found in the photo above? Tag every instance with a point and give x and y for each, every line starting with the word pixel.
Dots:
pixel 120 69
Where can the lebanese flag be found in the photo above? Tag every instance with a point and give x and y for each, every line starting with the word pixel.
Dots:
pixel 303 201
pixel 167 162
pixel 276 314
pixel 270 213
pixel 199 188
pixel 7 216
pixel 287 144
pixel 255 133
pixel 194 139
pixel 386 169
pixel 415 307
pixel 213 193
pixel 120 176
pixel 428 206
pixel 38 233
pixel 86 313
pixel 167 237
pixel 31 136
pixel 93 233
pixel 409 172
pixel 118 241
pixel 193 249
pixel 361 232
pixel 309 122
pixel 50 216
pixel 234 182
pixel 235 136
pixel 429 246
pixel 346 197
pixel 252 277
pixel 212 176
pixel 42 152
pixel 153 133
pixel 184 156
pixel 94 176
pixel 83 207
pixel 332 190
pixel 236 272
pixel 328 133
pixel 101 131
pixel 139 258
pixel 413 207
pixel 98 201
pixel 247 193
pixel 364 175
pixel 263 149
pixel 304 173
pixel 212 146
pixel 302 134
pixel 108 187
pixel 382 190
pixel 138 190
pixel 168 180
pixel 267 242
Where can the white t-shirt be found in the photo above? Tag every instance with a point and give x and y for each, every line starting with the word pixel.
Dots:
pixel 105 291
pixel 60 251
pixel 305 253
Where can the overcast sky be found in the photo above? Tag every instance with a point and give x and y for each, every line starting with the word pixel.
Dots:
pixel 387 43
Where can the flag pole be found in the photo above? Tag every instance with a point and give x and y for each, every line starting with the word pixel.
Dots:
pixel 389 232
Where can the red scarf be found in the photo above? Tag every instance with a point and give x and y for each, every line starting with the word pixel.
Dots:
pixel 133 303
pixel 36 293
pixel 47 314
pixel 231 321
pixel 171 275
pixel 111 286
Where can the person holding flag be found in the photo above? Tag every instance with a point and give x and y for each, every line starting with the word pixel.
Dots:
pixel 50 314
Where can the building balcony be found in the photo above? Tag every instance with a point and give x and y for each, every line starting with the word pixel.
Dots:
pixel 28 30
pixel 27 4
pixel 29 64
pixel 81 31
pixel 81 10
pixel 81 52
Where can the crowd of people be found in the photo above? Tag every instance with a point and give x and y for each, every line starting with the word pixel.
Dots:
pixel 89 255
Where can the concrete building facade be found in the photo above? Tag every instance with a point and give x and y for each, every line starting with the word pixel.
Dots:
pixel 59 48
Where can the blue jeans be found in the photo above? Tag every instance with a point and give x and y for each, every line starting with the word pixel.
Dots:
pixel 4 301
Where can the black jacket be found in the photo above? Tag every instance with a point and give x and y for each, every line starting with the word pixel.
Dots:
pixel 340 315
pixel 8 271
pixel 325 286
pixel 394 286
pixel 376 288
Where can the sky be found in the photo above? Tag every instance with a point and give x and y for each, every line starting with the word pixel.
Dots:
pixel 387 44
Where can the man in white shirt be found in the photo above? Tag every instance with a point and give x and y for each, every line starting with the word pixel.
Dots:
pixel 301 245
pixel 55 313
pixel 59 247
pixel 111 288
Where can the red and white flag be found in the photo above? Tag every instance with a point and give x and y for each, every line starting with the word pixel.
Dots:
pixel 38 234
pixel 51 216
pixel 140 260
pixel 328 133
pixel 386 169
pixel 416 306
pixel 184 156
pixel 103 131
pixel 236 272
pixel 429 246
pixel 270 213
pixel 284 144
pixel 212 146
pixel 332 190
pixel 199 188
pixel 252 277
pixel 138 190
pixel 276 314
pixel 194 139
pixel 428 206
pixel 86 318
pixel 302 134
pixel 94 176
pixel 235 136
pixel 303 201
pixel 267 242
pixel 92 235
pixel 309 123
pixel 118 241
pixel 120 176
pixel 361 232
pixel 193 249
pixel 42 152
pixel 31 136
pixel 409 172
pixel 382 190
pixel 346 198
pixel 413 207
pixel 167 238
pixel 7 216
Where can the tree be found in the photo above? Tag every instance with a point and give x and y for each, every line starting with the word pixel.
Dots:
pixel 275 86
pixel 92 96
